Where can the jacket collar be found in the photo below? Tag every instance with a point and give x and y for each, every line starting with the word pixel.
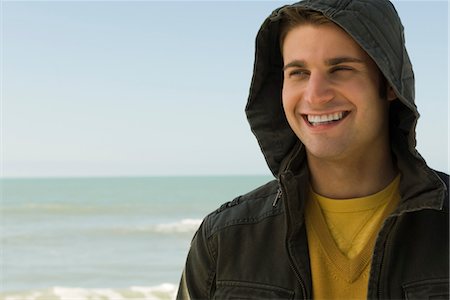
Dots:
pixel 420 187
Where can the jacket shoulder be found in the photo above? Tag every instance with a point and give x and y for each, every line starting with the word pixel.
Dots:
pixel 249 208
pixel 445 179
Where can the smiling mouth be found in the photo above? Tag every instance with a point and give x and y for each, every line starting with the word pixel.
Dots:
pixel 316 120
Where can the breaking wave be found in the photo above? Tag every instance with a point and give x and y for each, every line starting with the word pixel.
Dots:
pixel 183 226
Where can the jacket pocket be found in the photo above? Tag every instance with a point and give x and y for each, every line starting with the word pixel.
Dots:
pixel 427 289
pixel 250 290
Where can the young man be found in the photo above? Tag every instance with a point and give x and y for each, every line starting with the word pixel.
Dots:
pixel 355 212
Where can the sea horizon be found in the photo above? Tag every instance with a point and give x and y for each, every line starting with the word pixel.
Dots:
pixel 87 176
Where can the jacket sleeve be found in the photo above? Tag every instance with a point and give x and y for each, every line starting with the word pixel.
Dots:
pixel 199 271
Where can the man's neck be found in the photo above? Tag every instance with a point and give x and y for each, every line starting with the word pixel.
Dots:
pixel 357 177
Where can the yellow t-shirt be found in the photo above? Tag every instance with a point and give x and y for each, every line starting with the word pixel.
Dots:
pixel 341 236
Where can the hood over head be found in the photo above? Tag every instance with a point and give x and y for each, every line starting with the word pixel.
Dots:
pixel 376 27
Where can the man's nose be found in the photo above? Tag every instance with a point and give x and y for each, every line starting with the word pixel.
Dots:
pixel 318 89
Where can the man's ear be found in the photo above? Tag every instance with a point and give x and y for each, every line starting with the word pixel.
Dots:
pixel 391 94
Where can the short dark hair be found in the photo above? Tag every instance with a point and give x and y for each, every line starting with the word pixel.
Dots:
pixel 292 16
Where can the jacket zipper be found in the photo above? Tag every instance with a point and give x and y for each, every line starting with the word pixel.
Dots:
pixel 277 197
pixel 293 268
pixel 297 274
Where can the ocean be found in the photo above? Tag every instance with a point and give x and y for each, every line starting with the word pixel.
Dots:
pixel 104 238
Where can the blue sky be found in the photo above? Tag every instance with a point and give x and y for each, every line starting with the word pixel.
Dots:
pixel 111 88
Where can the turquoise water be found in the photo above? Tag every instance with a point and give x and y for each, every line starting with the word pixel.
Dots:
pixel 104 238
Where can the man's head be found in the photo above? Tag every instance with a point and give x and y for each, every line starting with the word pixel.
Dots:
pixel 374 26
pixel 334 95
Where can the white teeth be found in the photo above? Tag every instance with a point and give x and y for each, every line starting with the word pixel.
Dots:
pixel 318 119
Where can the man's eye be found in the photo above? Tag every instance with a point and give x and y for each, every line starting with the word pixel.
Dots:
pixel 340 68
pixel 298 73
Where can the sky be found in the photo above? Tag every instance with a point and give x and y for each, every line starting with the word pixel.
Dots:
pixel 147 88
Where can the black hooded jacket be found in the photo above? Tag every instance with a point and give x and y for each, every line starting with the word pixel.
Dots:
pixel 255 247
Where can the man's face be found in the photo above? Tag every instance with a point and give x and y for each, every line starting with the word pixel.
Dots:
pixel 331 94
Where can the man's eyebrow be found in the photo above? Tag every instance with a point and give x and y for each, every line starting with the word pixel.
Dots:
pixel 343 59
pixel 330 62
pixel 295 63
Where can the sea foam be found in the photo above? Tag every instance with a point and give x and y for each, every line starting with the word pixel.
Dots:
pixel 165 291
pixel 183 226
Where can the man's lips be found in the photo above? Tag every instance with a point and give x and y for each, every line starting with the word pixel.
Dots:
pixel 324 119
